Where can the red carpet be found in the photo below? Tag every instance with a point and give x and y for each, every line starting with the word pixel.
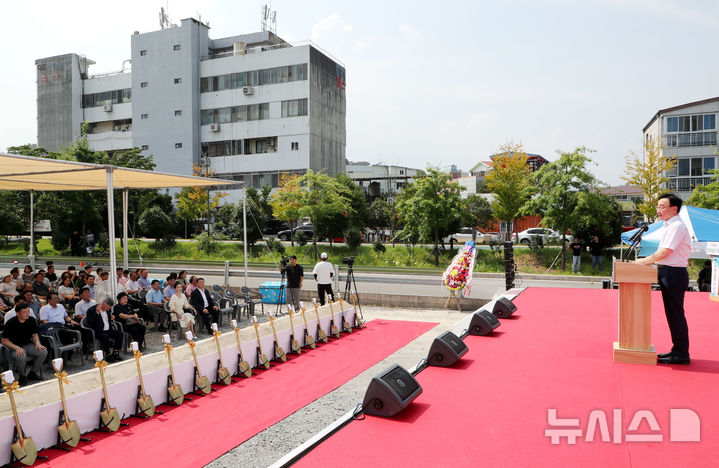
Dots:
pixel 491 408
pixel 199 431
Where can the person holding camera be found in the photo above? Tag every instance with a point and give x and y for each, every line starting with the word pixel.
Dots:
pixel 295 275
pixel 323 273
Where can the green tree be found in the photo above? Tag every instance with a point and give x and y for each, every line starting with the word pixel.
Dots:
pixel 381 214
pixel 477 213
pixel 510 181
pixel 647 172
pixel 597 215
pixel 153 222
pixel 10 224
pixel 429 209
pixel 194 203
pixel 706 196
pixel 229 215
pixel 563 188
pixel 286 201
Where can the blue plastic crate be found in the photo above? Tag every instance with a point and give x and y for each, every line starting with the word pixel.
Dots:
pixel 271 292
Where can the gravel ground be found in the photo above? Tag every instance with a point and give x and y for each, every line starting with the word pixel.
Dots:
pixel 274 442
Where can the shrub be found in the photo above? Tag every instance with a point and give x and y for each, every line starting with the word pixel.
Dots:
pixel 301 238
pixel 154 222
pixel 353 239
pixel 275 246
pixel 168 241
pixel 206 243
pixel 379 247
pixel 536 243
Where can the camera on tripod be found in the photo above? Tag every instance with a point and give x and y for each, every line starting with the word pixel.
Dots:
pixel 284 261
pixel 349 261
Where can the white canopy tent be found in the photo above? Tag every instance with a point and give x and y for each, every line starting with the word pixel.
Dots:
pixel 33 174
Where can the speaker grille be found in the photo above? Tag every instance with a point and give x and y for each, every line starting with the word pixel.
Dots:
pixel 454 342
pixel 401 382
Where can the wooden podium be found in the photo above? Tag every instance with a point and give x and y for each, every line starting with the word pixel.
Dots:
pixel 635 313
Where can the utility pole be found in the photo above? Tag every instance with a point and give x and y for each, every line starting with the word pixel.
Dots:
pixel 205 163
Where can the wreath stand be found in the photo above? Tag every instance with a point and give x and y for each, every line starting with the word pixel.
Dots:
pixel 452 295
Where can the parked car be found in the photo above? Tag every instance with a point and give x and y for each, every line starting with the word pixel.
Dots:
pixel 287 234
pixel 461 236
pixel 274 227
pixel 547 235
pixel 491 237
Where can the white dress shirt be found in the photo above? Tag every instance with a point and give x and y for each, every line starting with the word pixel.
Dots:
pixel 676 238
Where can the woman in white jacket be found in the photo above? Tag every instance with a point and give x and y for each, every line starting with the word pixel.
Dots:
pixel 185 312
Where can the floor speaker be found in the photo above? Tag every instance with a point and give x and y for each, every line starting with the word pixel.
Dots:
pixel 390 392
pixel 503 307
pixel 446 349
pixel 482 323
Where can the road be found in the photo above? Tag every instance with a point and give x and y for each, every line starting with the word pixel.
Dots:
pixel 484 285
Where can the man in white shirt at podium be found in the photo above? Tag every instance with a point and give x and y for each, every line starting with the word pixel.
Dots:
pixel 672 258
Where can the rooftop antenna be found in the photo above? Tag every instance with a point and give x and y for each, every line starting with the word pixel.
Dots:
pixel 269 19
pixel 164 19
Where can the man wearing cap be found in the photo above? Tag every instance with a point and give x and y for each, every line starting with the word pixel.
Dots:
pixel 323 273
pixel 295 275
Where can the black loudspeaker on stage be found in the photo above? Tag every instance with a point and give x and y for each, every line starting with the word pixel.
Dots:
pixel 446 350
pixel 482 323
pixel 390 392
pixel 503 307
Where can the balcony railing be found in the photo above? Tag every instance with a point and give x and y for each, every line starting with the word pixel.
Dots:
pixel 691 139
pixel 127 134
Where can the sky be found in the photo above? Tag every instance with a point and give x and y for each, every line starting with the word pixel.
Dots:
pixel 428 83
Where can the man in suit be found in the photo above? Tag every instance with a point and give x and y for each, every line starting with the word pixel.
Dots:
pixel 99 319
pixel 202 302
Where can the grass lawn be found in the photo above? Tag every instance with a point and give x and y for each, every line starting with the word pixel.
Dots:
pixel 397 258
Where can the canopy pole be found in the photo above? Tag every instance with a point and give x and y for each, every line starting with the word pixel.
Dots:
pixel 125 257
pixel 244 226
pixel 111 232
pixel 32 230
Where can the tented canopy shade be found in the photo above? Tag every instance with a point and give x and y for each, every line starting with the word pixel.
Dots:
pixel 40 174
pixel 29 173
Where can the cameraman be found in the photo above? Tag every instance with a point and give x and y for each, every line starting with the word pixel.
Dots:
pixel 295 275
pixel 323 272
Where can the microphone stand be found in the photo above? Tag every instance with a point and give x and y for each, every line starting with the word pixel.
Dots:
pixel 636 238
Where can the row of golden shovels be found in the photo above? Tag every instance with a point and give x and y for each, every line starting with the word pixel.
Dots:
pixel 24 449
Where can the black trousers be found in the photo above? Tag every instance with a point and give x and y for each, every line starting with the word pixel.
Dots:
pixel 673 282
pixel 137 330
pixel 108 337
pixel 211 317
pixel 322 289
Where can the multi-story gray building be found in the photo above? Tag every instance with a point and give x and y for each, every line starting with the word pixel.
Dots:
pixel 253 104
pixel 688 133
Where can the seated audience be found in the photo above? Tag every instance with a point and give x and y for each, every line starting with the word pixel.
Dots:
pixel 20 336
pixel 124 313
pixel 99 319
pixel 182 309
pixel 204 305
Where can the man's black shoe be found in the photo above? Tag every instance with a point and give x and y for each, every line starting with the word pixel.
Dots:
pixel 22 380
pixel 162 328
pixel 111 358
pixel 33 377
pixel 663 355
pixel 674 360
pixel 117 357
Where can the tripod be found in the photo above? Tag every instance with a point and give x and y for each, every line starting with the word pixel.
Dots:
pixel 281 296
pixel 351 285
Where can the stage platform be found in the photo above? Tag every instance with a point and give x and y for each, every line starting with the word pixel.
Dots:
pixel 543 390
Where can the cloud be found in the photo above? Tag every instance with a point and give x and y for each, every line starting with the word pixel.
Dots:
pixel 481 120
pixel 408 32
pixel 331 29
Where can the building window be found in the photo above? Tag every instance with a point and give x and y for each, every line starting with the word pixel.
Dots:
pixel 143 52
pixel 178 145
pixel 295 145
pixel 691 130
pixel 235 114
pixel 222 148
pixel 144 147
pixel 176 47
pixel 265 76
pixel 401 172
pixel 144 116
pixel 178 113
pixel 117 96
pixel 143 84
pixel 294 108
pixel 178 80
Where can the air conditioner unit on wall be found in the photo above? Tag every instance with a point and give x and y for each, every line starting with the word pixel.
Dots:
pixel 248 90
pixel 107 107
pixel 215 127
